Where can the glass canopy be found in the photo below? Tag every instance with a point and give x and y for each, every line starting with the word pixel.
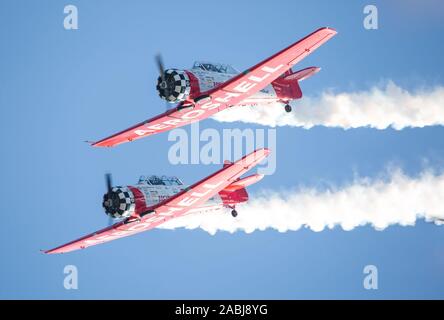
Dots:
pixel 160 180
pixel 214 67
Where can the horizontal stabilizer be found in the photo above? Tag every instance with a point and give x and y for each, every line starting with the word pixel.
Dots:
pixel 302 74
pixel 244 182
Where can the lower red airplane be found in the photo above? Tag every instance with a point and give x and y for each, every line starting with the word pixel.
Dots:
pixel 209 88
pixel 155 200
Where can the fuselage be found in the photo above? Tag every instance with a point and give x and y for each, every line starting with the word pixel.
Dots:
pixel 125 201
pixel 156 193
pixel 208 80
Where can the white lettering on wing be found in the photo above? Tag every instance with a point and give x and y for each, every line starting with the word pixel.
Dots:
pixel 171 211
pixel 244 86
pixel 142 132
pixel 188 201
pixel 193 114
pixel 228 96
pixel 271 70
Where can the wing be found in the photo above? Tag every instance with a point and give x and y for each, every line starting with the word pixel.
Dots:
pixel 262 74
pixel 173 118
pixel 176 206
pixel 227 94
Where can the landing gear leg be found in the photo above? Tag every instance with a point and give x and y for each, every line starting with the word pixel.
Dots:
pixel 287 108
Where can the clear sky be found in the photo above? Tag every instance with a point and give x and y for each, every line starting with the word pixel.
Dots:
pixel 59 88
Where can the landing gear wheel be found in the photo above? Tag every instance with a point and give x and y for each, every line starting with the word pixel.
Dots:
pixel 234 213
pixel 287 108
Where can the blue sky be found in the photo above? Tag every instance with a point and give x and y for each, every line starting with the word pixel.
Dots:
pixel 59 88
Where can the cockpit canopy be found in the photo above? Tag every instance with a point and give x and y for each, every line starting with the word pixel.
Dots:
pixel 214 67
pixel 160 180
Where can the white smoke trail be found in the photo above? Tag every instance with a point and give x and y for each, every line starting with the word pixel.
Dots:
pixel 398 199
pixel 380 108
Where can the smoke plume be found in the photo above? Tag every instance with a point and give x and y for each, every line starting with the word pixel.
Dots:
pixel 380 108
pixel 393 199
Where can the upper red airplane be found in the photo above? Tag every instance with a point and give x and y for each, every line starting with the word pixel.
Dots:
pixel 209 88
pixel 155 200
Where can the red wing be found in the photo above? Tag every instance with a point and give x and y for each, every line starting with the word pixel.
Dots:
pixel 173 118
pixel 258 77
pixel 228 93
pixel 176 206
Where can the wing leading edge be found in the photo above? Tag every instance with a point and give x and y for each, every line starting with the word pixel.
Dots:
pixel 227 94
pixel 175 206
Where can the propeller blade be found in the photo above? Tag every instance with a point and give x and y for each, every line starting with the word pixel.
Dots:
pixel 159 63
pixel 109 182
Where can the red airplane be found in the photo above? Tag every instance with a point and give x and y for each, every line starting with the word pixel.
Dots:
pixel 155 200
pixel 209 88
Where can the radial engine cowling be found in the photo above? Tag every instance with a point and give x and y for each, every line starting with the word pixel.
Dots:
pixel 175 87
pixel 119 203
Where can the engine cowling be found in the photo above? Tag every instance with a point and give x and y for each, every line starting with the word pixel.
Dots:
pixel 175 87
pixel 119 203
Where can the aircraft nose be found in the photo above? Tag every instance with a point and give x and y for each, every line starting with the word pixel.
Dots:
pixel 107 202
pixel 118 202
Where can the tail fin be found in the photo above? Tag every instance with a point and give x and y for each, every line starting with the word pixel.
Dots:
pixel 230 198
pixel 287 86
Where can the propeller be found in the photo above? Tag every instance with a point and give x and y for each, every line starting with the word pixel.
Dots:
pixel 159 63
pixel 109 186
pixel 109 181
pixel 163 84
